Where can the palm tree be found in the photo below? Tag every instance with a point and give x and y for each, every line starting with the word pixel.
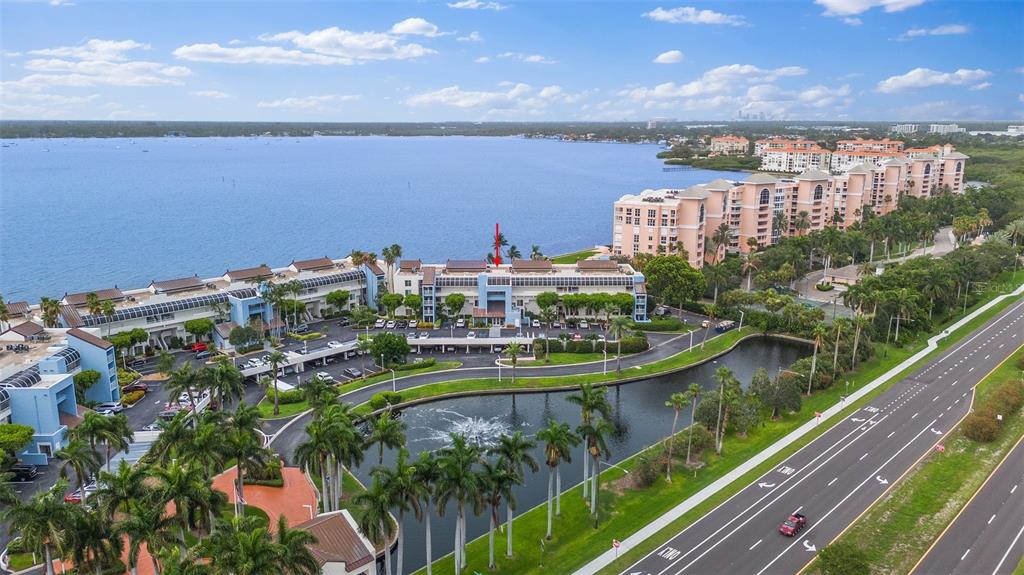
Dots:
pixel 146 524
pixel 802 223
pixel 594 434
pixel 716 275
pixel 115 492
pixel 496 482
pixel 94 541
pixel 676 401
pixel 559 440
pixel 43 523
pixel 173 434
pixel 840 324
pixel 318 393
pixel 293 547
pixel 92 303
pixel 374 519
pixel 246 447
pixel 311 455
pixel 692 394
pixel 728 388
pixel 276 359
pixel 427 472
pixel 347 444
pixel 108 310
pixel 50 310
pixel 404 491
pixel 461 483
pixel 514 453
pixel 185 486
pixel 5 314
pixel 391 254
pixel 860 323
pixel 116 434
pixel 590 399
pixel 244 546
pixel 514 253
pixel 750 265
pixel 82 460
pixel 535 253
pixel 226 382
pixel 903 299
pixel 512 352
pixel 618 328
pixel 385 431
pixel 364 345
pixel 182 381
pixel 721 237
pixel 819 332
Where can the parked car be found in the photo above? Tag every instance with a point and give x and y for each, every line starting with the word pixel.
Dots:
pixel 137 386
pixel 460 322
pixel 725 326
pixel 793 525
pixel 152 427
pixel 378 324
pixel 301 328
pixel 423 335
pixel 168 414
pixel 138 362
pixel 199 346
pixel 325 376
pixel 391 324
pixel 334 344
pixel 344 322
pixel 584 324
pixel 535 323
pixel 706 323
pixel 24 472
pixel 114 406
pixel 600 337
pixel 401 324
pixel 471 335
pixel 353 372
pixel 202 354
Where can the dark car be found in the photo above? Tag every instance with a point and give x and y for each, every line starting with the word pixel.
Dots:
pixel 793 525
pixel 344 322
pixel 137 363
pixel 353 372
pixel 24 472
pixel 301 328
pixel 137 386
pixel 402 324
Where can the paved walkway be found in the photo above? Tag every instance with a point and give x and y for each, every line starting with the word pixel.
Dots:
pixel 291 500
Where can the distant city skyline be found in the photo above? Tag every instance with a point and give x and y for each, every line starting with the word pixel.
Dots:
pixel 477 60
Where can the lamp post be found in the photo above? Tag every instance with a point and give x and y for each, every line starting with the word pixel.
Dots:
pixel 742 313
pixel 499 368
pixel 605 352
pixel 394 386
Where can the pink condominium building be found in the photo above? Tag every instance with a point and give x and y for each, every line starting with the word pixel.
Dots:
pixel 764 208
pixel 729 145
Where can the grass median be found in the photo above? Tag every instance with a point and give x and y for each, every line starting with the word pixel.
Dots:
pixel 897 531
pixel 576 539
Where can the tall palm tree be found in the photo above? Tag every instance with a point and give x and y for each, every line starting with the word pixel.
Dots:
pixel 559 440
pixel 244 546
pixel 512 352
pixel 819 332
pixel 391 254
pixel 676 401
pixel 173 435
pixel 311 455
pixel 44 523
pixel 427 472
pixel 246 447
pixel 515 454
pixel 750 265
pixel 903 299
pixel 404 491
pixel 226 382
pixel 183 381
pixel 860 323
pixel 802 222
pixel 459 482
pixel 92 303
pixel 720 237
pixel 364 345
pixel 318 393
pixel 146 524
pixel 185 486
pixel 115 492
pixel 116 435
pixel 374 519
pixel 618 328
pixel 514 253
pixel 385 431
pixel 716 275
pixel 692 394
pixel 108 310
pixel 728 388
pixel 496 482
pixel 293 547
pixel 50 310
pixel 347 443
pixel 594 434
pixel 590 399
pixel 276 359
pixel 535 253
pixel 80 459
pixel 95 543
pixel 5 314
pixel 841 324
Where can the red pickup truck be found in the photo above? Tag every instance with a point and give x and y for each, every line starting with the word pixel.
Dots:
pixel 793 525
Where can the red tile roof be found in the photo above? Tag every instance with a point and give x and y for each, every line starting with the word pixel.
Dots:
pixel 17 308
pixel 313 264
pixel 465 266
pixel 27 329
pixel 249 273
pixel 531 265
pixel 597 265
pixel 182 284
pixel 338 540
pixel 78 299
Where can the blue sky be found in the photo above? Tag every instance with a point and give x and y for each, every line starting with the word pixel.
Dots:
pixel 508 60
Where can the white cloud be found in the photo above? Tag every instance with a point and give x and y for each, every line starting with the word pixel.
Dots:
pixel 235 42
pixel 61 3
pixel 981 86
pixel 720 80
pixel 514 99
pixel 852 21
pixel 529 58
pixel 471 37
pixel 944 30
pixel 670 57
pixel 94 63
pixel 482 60
pixel 215 94
pixel 691 15
pixel 455 96
pixel 307 103
pixel 1020 97
pixel 330 46
pixel 416 27
pixel 854 7
pixel 477 5
pixel 1020 70
pixel 925 77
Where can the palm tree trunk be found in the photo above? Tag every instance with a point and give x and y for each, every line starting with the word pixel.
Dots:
pixel 856 340
pixel 324 499
pixel 814 366
pixel 339 479
pixel 897 338
pixel 671 443
pixel 586 472
pixel 490 543
pixel 458 540
pixel 427 517
pixel 551 488
pixel 239 505
pixel 558 491
pixel 593 490
pixel 508 545
pixel 49 560
pixel 401 541
pixel 618 354
pixel 835 353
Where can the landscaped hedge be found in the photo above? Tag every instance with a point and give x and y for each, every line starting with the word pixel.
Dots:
pixel 418 365
pixel 125 377
pixel 284 397
pixel 305 336
pixel 385 399
pixel 132 397
pixel 824 287
pixel 630 344
pixel 984 424
pixel 425 325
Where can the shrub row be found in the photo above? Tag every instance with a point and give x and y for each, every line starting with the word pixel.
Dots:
pixel 306 336
pixel 984 424
pixel 418 365
pixel 132 397
pixel 385 399
pixel 630 344
pixel 283 397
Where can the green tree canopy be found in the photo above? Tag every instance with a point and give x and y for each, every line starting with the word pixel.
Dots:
pixel 243 335
pixel 547 300
pixel 453 303
pixel 414 303
pixel 841 558
pixel 672 280
pixel 338 298
pixel 392 346
pixel 14 437
pixel 391 302
pixel 199 327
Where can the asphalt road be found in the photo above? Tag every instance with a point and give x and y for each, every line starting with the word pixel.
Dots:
pixel 841 473
pixel 987 537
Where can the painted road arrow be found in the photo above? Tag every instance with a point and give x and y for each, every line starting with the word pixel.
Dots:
pixel 936 432
pixel 882 480
pixel 763 484
pixel 857 420
pixel 809 546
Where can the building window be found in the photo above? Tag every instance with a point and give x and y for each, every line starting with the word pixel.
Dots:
pixel 408 283
pixel 927 169
pixel 959 165
pixel 700 214
pixel 818 193
pixel 765 197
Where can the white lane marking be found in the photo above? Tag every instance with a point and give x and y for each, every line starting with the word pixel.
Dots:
pixel 936 398
pixel 1014 489
pixel 862 457
pixel 890 435
pixel 1012 543
pixel 797 510
pixel 850 494
pixel 988 356
pixel 1001 345
pixel 756 544
pixel 962 557
pixel 913 416
pixel 989 522
pixel 834 479
pixel 970 370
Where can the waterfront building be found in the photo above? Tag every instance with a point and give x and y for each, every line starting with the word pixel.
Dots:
pixel 763 145
pixel 861 145
pixel 37 386
pixel 507 294
pixel 729 145
pixel 843 160
pixel 340 548
pixel 795 159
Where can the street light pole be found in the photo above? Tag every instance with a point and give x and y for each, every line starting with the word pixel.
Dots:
pixel 742 313
pixel 394 386
pixel 499 369
pixel 605 352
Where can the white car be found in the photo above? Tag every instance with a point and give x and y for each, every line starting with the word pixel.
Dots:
pixel 334 344
pixel 325 376
pixel 535 323
pixel 378 324
pixel 460 322
pixel 424 335
pixel 114 406
pixel 584 325
pixel 471 335
pixel 391 324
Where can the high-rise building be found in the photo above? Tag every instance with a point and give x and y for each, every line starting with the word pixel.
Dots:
pixel 904 128
pixel 945 129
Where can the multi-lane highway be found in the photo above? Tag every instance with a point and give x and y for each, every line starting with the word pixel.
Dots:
pixel 840 474
pixel 987 537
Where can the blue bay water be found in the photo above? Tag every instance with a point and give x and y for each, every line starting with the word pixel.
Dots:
pixel 86 214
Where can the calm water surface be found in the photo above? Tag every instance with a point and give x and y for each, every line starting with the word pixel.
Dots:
pixel 639 415
pixel 85 214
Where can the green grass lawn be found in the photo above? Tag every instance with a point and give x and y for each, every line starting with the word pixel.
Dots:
pixel 897 531
pixel 286 410
pixel 573 257
pixel 566 359
pixel 576 540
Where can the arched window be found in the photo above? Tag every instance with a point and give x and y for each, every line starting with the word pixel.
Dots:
pixel 818 193
pixel 927 169
pixel 766 197
pixel 959 166
pixel 700 214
